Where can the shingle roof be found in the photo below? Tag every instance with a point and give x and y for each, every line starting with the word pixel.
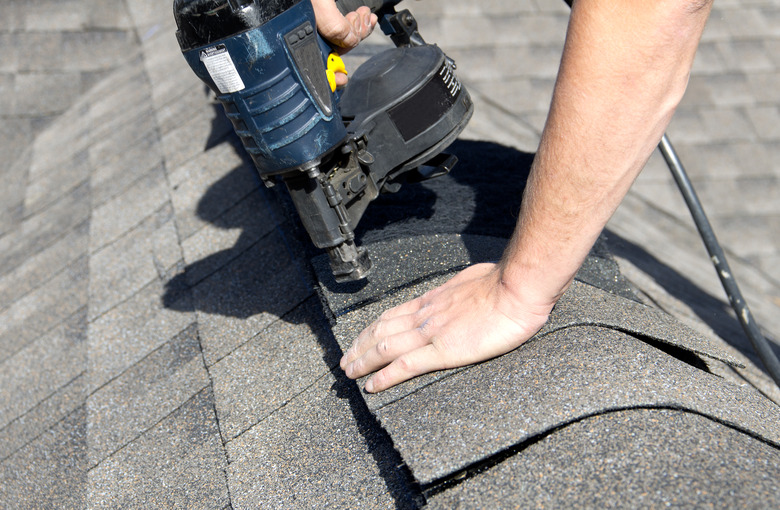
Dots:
pixel 167 338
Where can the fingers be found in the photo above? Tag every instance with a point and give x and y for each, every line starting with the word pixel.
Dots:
pixel 391 323
pixel 362 21
pixel 343 31
pixel 384 351
pixel 397 333
pixel 461 322
pixel 330 23
pixel 341 79
pixel 412 364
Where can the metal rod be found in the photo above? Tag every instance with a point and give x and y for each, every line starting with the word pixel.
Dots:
pixel 745 318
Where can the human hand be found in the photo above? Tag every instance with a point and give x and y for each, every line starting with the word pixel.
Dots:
pixel 345 32
pixel 471 318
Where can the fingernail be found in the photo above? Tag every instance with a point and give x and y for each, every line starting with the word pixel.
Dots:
pixel 370 386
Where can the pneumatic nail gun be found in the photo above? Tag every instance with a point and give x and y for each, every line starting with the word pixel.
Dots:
pixel 334 149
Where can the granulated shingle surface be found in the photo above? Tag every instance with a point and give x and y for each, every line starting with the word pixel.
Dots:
pixel 584 304
pixel 147 392
pixel 546 383
pixel 627 459
pixel 311 453
pixel 245 296
pixel 264 374
pixel 400 261
pixel 161 340
pixel 177 463
pixel 51 468
pixel 445 421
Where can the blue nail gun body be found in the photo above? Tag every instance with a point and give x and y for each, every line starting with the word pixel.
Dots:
pixel 335 150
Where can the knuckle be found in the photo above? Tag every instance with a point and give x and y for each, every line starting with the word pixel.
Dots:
pixel 427 327
pixel 356 366
pixel 405 364
pixel 377 328
pixel 422 313
pixel 383 347
pixel 425 298
pixel 380 379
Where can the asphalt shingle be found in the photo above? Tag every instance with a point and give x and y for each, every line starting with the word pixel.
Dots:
pixel 119 411
pixel 311 453
pixel 178 463
pixel 127 333
pixel 37 232
pixel 46 414
pixel 549 382
pixel 625 458
pixel 163 345
pixel 245 296
pixel 43 309
pixel 121 269
pixel 43 266
pixel 269 371
pixel 59 354
pixel 52 469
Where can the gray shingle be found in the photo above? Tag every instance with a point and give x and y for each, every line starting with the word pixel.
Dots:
pixel 228 235
pixel 209 185
pixel 125 407
pixel 122 213
pixel 401 261
pixel 139 159
pixel 43 309
pixel 46 93
pixel 311 453
pixel 126 334
pixel 121 269
pixel 51 471
pixel 45 415
pixel 246 295
pixel 550 382
pixel 270 370
pixel 637 458
pixel 48 184
pixel 178 463
pixel 39 231
pixel 39 268
pixel 111 143
pixel 587 305
pixel 53 15
pixel 60 354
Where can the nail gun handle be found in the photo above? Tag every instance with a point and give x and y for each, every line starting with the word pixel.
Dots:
pixel 376 6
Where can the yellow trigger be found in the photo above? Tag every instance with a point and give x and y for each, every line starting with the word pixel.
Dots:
pixel 335 65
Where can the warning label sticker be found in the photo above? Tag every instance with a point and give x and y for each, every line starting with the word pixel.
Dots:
pixel 221 69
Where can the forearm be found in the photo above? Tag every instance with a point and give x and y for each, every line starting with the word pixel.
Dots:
pixel 624 69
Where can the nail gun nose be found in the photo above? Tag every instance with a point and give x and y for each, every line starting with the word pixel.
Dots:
pixel 349 262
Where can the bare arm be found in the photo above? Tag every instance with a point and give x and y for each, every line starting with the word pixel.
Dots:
pixel 624 69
